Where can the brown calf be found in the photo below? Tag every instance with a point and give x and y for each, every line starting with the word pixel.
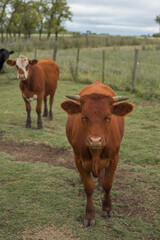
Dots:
pixel 38 80
pixel 95 129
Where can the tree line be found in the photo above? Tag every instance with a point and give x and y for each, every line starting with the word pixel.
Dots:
pixel 19 17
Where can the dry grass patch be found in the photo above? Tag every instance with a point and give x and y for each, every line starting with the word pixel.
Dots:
pixel 48 232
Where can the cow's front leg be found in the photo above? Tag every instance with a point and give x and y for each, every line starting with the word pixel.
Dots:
pixel 38 110
pixel 89 187
pixel 28 110
pixel 107 185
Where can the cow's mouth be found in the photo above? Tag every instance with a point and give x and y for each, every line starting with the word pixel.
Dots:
pixel 96 147
pixel 22 78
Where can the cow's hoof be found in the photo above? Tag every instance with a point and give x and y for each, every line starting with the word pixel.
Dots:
pixel 89 222
pixel 50 117
pixel 107 214
pixel 39 127
pixel 28 126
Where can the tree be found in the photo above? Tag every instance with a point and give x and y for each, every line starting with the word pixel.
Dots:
pixel 3 15
pixel 41 8
pixel 29 19
pixel 157 20
pixel 57 13
pixel 63 13
pixel 28 16
pixel 15 20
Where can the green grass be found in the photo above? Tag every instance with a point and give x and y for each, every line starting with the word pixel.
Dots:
pixel 66 41
pixel 13 115
pixel 36 194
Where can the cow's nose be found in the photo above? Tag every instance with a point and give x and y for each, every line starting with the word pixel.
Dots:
pixel 22 77
pixel 95 142
pixel 95 139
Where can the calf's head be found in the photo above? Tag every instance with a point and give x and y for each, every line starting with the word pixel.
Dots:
pixel 96 112
pixel 22 64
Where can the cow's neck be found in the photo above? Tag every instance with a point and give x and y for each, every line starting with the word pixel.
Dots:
pixel 95 159
pixel 27 83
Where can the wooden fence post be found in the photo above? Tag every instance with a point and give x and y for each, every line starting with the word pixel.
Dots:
pixel 76 71
pixel 19 50
pixel 35 52
pixel 134 70
pixel 55 51
pixel 87 41
pixel 103 65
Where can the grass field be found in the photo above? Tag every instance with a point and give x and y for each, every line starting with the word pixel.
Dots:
pixel 40 200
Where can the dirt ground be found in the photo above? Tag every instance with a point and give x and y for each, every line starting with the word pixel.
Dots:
pixel 37 153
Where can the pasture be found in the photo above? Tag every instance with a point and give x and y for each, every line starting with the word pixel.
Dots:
pixel 41 194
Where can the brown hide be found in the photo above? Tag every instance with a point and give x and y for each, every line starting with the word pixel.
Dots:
pixel 95 128
pixel 77 134
pixel 42 79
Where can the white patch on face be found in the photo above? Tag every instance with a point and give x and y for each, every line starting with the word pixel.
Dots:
pixel 31 98
pixel 22 63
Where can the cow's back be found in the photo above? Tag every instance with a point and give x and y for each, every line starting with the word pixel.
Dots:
pixel 97 87
pixel 51 74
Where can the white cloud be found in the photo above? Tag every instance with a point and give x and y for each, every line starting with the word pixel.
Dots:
pixel 114 17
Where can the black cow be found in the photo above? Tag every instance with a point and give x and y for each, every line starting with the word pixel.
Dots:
pixel 4 55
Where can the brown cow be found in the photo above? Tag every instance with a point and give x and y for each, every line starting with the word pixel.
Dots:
pixel 95 129
pixel 38 80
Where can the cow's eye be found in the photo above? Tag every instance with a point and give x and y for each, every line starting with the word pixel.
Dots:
pixel 85 119
pixel 107 119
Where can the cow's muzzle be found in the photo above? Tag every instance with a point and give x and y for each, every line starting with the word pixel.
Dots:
pixel 95 142
pixel 22 77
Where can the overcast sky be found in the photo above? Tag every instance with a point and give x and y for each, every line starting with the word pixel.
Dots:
pixel 115 17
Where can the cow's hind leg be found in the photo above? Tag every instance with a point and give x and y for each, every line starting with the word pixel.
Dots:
pixel 45 114
pixel 89 187
pixel 107 185
pixel 28 110
pixel 50 108
pixel 38 110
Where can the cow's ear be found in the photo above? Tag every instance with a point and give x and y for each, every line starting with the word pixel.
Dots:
pixel 122 109
pixel 33 61
pixel 11 62
pixel 71 107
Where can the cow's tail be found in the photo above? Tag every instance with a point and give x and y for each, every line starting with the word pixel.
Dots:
pixel 11 52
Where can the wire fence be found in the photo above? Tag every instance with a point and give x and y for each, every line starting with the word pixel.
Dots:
pixel 119 68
